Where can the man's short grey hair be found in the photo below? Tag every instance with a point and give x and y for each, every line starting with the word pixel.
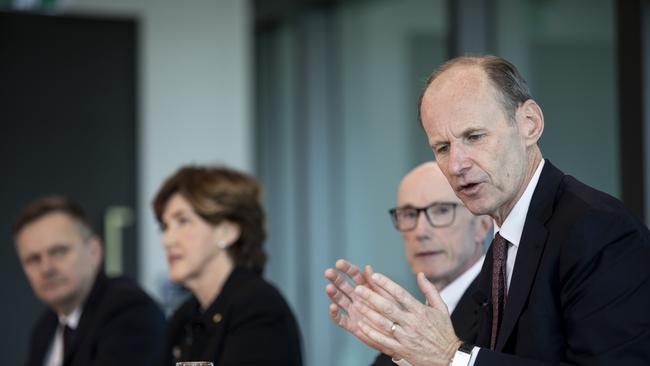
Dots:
pixel 511 86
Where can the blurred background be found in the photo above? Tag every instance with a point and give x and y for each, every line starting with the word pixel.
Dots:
pixel 103 99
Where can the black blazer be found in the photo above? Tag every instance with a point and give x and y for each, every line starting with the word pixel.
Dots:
pixel 580 289
pixel 463 318
pixel 249 323
pixel 119 325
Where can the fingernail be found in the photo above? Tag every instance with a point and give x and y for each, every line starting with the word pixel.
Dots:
pixel 375 276
pixel 360 289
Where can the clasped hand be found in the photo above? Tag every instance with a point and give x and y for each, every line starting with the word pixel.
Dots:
pixel 387 318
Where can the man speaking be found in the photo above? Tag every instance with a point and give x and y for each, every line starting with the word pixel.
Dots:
pixel 566 279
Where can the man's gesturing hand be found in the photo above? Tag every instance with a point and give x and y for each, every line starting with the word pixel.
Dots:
pixel 423 334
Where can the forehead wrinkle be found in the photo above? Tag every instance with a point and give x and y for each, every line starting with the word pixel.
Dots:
pixel 456 89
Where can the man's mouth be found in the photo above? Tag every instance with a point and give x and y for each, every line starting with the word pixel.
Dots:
pixel 428 254
pixel 469 188
pixel 173 258
pixel 52 284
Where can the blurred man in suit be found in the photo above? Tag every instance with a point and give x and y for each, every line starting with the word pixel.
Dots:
pixel 442 239
pixel 91 319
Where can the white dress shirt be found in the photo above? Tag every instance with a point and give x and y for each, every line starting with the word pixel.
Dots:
pixel 511 230
pixel 452 293
pixel 55 354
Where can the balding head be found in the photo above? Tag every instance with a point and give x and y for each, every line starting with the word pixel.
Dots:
pixel 443 252
pixel 482 133
pixel 511 88
pixel 423 184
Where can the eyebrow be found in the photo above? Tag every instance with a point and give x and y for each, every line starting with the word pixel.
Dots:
pixel 174 215
pixel 471 130
pixel 59 246
pixel 467 131
pixel 31 257
pixel 47 251
pixel 437 202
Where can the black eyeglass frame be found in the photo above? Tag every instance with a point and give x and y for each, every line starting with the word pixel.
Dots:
pixel 393 214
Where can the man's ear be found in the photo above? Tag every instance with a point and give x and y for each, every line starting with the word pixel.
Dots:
pixel 530 120
pixel 96 249
pixel 227 232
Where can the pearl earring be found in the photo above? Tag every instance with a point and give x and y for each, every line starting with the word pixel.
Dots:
pixel 221 244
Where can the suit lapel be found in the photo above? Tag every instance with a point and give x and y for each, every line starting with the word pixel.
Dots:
pixel 85 325
pixel 481 298
pixel 531 247
pixel 43 339
pixel 528 256
pixel 464 315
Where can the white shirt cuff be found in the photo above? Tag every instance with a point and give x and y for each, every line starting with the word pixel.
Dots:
pixel 473 356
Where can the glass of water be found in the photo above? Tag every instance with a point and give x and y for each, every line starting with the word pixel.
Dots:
pixel 194 363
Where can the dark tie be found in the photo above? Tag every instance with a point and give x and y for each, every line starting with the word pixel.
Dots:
pixel 499 256
pixel 67 340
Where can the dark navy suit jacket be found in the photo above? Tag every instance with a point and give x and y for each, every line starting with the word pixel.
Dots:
pixel 580 289
pixel 119 325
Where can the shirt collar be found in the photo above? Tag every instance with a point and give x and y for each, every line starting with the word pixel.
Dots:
pixel 513 225
pixel 71 320
pixel 452 293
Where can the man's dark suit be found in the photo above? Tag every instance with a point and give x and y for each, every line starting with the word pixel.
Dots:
pixel 463 319
pixel 119 325
pixel 580 290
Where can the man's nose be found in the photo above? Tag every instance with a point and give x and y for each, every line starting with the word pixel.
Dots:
pixel 46 266
pixel 421 223
pixel 422 230
pixel 458 161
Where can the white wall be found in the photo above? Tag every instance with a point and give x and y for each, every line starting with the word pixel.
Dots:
pixel 194 97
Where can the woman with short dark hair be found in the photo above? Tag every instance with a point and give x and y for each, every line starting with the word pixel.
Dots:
pixel 213 231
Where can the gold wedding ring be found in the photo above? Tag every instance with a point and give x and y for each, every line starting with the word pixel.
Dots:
pixel 393 327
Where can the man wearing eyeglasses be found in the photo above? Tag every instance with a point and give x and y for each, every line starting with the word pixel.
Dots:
pixel 442 239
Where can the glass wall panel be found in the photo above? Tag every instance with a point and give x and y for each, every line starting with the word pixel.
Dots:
pixel 567 52
pixel 337 91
